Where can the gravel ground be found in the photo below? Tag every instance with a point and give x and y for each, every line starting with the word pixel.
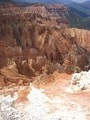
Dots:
pixel 40 107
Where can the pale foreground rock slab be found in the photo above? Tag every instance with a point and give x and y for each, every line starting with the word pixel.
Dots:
pixel 81 81
pixel 40 107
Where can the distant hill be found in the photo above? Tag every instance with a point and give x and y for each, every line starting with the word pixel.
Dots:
pixel 2 1
pixel 82 9
pixel 35 1
pixel 66 2
pixel 76 20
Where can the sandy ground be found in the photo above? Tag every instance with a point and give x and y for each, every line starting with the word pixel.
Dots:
pixel 61 88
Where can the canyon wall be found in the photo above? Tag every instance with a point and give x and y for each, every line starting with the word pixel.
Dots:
pixel 35 40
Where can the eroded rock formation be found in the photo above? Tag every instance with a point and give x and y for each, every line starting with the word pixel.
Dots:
pixel 37 40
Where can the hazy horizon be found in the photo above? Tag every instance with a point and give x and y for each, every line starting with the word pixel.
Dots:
pixel 80 0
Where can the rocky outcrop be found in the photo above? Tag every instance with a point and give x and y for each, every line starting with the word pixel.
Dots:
pixel 82 37
pixel 80 81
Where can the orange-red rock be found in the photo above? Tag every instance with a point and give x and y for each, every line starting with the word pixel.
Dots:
pixel 2 81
